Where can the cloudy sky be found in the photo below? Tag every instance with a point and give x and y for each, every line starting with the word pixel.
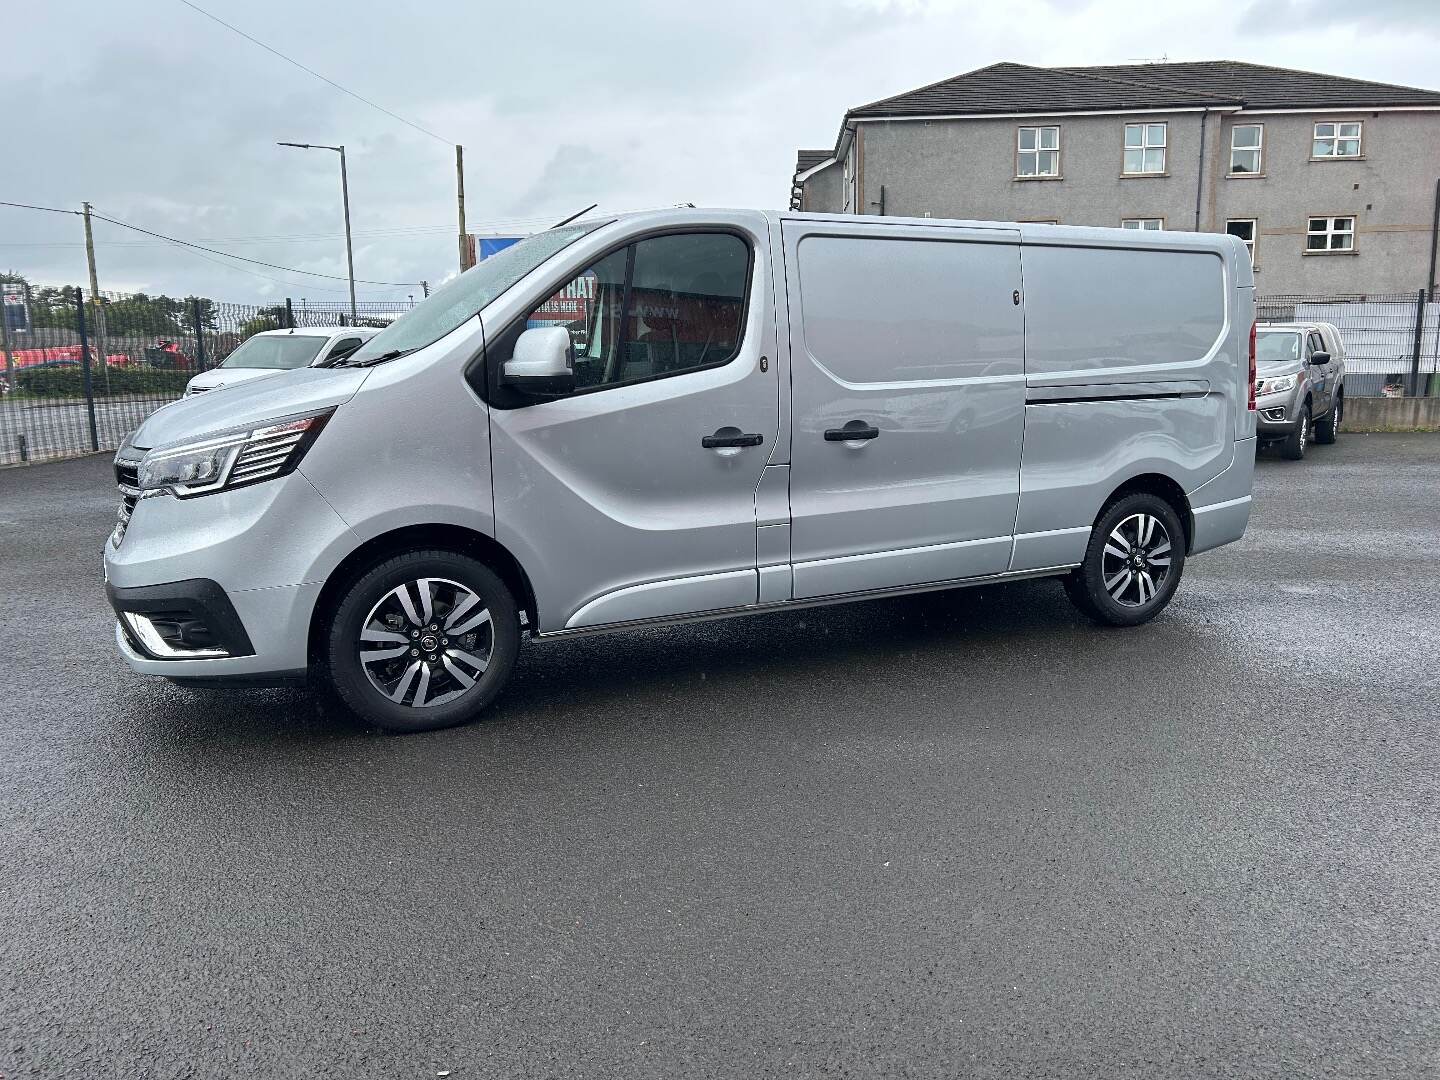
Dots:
pixel 162 118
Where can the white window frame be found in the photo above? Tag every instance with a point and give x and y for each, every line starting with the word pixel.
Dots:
pixel 1144 147
pixel 1258 150
pixel 1254 224
pixel 1330 232
pixel 1143 224
pixel 1335 138
pixel 1035 151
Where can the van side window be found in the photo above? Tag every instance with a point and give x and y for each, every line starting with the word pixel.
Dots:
pixel 662 306
pixel 1316 345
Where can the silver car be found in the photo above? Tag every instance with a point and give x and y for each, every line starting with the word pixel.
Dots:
pixel 695 414
pixel 1300 385
pixel 281 350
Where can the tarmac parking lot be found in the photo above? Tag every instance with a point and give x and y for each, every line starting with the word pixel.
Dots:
pixel 959 834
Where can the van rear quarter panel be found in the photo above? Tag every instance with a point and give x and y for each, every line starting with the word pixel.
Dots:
pixel 1109 333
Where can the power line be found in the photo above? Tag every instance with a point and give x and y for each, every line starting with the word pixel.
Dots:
pixel 212 251
pixel 312 71
pixel 244 258
pixel 47 209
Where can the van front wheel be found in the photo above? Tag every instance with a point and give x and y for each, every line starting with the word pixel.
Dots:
pixel 423 640
pixel 1133 563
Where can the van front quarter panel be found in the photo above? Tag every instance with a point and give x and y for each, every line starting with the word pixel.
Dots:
pixel 410 448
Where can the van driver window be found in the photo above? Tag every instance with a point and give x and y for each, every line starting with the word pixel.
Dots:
pixel 662 306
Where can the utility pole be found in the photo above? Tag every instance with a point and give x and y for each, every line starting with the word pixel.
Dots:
pixel 101 337
pixel 465 262
pixel 425 287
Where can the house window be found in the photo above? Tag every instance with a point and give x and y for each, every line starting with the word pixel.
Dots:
pixel 1244 228
pixel 1144 149
pixel 1330 234
pixel 1337 139
pixel 1038 151
pixel 1245 149
pixel 1151 224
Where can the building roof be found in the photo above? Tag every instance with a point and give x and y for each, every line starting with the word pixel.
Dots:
pixel 805 160
pixel 1008 88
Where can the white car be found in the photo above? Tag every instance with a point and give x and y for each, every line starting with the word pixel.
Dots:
pixel 281 350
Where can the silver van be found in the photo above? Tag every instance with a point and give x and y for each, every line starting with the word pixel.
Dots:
pixel 692 414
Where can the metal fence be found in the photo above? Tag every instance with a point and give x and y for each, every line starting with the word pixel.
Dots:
pixel 1392 341
pixel 76 376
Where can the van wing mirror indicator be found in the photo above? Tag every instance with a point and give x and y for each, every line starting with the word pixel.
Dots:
pixel 1319 358
pixel 543 362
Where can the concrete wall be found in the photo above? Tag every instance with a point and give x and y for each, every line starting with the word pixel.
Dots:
pixel 966 169
pixel 1391 414
pixel 1390 190
pixel 822 191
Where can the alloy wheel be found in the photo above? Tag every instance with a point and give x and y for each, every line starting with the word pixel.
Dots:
pixel 426 642
pixel 1136 560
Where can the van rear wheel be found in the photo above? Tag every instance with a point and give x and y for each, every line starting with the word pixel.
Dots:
pixel 1133 562
pixel 423 640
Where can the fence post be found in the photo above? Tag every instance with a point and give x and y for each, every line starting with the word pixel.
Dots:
pixel 5 346
pixel 289 315
pixel 85 367
pixel 199 333
pixel 1419 335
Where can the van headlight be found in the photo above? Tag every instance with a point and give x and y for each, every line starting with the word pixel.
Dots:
pixel 230 460
pixel 1276 385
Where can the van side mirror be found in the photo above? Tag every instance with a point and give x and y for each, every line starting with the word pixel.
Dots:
pixel 1319 358
pixel 543 362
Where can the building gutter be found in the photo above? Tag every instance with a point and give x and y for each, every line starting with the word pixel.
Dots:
pixel 1047 113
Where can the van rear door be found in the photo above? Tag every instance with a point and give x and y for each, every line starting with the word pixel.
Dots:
pixel 908 390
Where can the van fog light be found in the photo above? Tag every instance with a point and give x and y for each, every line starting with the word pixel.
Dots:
pixel 171 639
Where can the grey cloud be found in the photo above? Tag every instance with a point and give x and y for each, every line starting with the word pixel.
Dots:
pixel 1308 16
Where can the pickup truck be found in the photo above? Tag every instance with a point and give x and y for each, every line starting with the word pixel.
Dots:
pixel 1299 385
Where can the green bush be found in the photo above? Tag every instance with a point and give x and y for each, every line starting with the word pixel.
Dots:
pixel 70 382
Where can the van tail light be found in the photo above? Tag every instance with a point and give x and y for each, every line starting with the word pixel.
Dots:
pixel 1251 406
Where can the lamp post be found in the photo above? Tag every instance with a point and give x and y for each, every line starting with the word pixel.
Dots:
pixel 345 197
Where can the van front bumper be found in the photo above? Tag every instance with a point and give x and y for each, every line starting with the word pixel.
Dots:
pixel 259 637
pixel 222 587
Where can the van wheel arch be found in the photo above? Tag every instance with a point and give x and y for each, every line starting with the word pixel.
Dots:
pixel 1164 487
pixel 462 541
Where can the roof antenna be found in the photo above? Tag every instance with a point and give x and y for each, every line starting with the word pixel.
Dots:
pixel 1162 59
pixel 573 216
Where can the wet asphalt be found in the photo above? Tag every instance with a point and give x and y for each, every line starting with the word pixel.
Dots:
pixel 961 834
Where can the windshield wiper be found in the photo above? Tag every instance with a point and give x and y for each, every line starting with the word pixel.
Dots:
pixel 372 361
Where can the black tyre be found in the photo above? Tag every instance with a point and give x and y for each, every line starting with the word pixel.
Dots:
pixel 423 640
pixel 1327 428
pixel 1293 448
pixel 1133 564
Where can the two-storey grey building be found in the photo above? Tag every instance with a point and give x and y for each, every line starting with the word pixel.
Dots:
pixel 1331 182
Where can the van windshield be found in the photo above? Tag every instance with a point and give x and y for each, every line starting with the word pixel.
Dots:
pixel 281 351
pixel 1277 347
pixel 456 301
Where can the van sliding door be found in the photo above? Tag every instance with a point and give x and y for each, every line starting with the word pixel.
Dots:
pixel 909 397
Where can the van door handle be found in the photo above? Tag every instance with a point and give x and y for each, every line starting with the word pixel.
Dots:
pixel 853 431
pixel 723 438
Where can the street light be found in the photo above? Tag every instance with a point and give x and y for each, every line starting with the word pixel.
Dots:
pixel 345 197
